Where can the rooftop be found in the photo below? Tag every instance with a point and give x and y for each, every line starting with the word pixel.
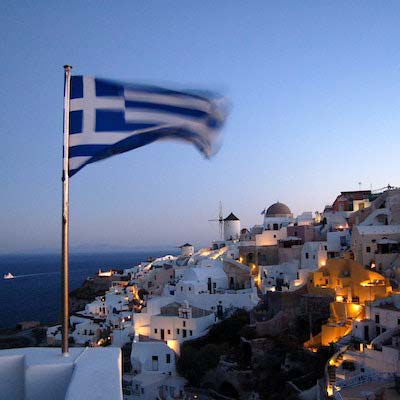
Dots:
pixel 378 229
pixel 278 209
pixel 231 217
pixel 172 310
pixel 45 374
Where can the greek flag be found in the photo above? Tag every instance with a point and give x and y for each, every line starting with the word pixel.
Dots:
pixel 108 118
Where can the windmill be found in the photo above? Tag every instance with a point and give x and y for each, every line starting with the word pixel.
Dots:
pixel 220 221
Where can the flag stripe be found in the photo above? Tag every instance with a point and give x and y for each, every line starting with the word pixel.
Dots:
pixel 109 118
pixel 144 105
pixel 96 152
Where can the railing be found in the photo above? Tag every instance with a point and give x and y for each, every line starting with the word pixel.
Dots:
pixel 337 395
pixel 365 378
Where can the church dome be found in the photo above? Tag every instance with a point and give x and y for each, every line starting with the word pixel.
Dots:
pixel 278 210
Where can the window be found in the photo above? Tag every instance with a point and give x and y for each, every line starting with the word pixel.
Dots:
pixel 190 288
pixel 184 323
pixel 154 361
pixel 398 321
pixel 168 359
pixel 177 331
pixel 377 318
pixel 307 255
pixel 169 331
pixel 368 249
pixel 155 330
pixel 191 333
pixel 378 330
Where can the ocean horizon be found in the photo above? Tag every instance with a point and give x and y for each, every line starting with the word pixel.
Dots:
pixel 35 292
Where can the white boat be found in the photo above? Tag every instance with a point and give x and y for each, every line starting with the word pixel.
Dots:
pixel 8 276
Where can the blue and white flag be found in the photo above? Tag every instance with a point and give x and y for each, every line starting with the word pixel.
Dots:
pixel 108 118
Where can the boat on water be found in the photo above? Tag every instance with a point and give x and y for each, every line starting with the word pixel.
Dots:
pixel 8 276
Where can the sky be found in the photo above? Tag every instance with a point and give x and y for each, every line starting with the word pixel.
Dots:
pixel 314 88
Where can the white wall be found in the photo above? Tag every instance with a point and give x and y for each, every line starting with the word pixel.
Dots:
pixel 317 255
pixel 270 237
pixel 142 357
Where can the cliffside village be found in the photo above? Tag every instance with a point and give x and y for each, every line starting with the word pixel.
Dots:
pixel 346 259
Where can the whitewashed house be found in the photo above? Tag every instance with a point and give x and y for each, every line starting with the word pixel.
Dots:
pixel 314 255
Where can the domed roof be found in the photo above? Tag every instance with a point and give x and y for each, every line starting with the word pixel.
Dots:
pixel 278 209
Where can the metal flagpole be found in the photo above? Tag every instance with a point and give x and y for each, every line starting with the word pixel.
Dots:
pixel 65 212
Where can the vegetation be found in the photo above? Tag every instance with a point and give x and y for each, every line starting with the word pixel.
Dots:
pixel 201 355
pixel 233 362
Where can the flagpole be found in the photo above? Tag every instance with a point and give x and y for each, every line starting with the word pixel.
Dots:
pixel 65 214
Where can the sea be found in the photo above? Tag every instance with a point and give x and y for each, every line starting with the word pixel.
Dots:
pixel 35 293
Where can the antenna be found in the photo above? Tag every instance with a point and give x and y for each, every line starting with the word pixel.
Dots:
pixel 220 220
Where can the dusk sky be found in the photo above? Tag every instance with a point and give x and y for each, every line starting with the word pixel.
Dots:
pixel 315 94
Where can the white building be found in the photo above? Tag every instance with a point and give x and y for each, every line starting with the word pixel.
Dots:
pixel 382 315
pixel 314 255
pixel 173 322
pixel 377 246
pixel 305 218
pixel 276 219
pixel 282 277
pixel 45 374
pixel 337 242
pixel 187 250
pixel 231 228
pixel 153 365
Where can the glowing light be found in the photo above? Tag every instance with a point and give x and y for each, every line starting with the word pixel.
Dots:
pixel 373 265
pixel 339 299
pixel 356 307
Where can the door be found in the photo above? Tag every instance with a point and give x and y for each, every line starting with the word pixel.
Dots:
pixel 154 360
pixel 366 333
pixel 162 334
